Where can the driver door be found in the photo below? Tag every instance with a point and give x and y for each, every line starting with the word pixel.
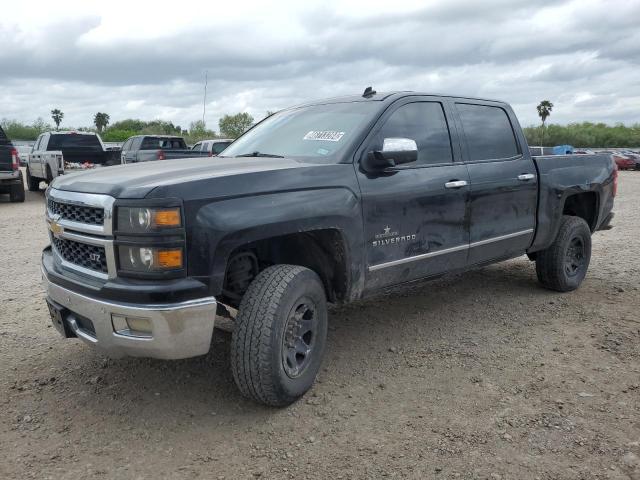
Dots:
pixel 415 214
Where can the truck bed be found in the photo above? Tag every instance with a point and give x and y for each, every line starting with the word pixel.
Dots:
pixel 560 176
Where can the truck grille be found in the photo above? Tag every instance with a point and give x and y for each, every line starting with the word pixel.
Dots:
pixel 81 254
pixel 77 213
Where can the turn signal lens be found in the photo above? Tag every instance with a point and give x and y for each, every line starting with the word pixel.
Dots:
pixel 149 259
pixel 170 258
pixel 166 218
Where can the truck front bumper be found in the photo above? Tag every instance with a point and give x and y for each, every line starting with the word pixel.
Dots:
pixel 167 331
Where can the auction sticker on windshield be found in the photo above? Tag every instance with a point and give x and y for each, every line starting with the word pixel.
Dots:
pixel 326 135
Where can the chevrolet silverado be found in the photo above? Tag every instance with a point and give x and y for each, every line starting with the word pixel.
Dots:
pixel 331 201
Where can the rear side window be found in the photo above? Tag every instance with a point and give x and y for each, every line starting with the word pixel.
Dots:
pixel 488 132
pixel 219 147
pixel 151 143
pixel 423 122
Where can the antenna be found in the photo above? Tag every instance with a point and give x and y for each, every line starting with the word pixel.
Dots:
pixel 369 92
pixel 204 102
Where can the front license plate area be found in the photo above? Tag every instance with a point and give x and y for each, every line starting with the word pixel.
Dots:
pixel 57 317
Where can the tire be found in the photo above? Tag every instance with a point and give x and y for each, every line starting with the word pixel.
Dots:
pixel 563 266
pixel 33 183
pixel 49 178
pixel 275 312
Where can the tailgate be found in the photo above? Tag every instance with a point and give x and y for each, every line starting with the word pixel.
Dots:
pixel 78 156
pixel 6 160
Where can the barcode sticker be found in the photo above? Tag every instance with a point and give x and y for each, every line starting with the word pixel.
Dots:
pixel 327 135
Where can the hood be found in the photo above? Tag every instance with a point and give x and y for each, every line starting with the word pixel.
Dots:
pixel 139 179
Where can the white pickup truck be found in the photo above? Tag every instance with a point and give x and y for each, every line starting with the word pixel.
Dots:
pixel 54 152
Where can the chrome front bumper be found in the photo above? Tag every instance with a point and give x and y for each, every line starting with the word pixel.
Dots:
pixel 178 330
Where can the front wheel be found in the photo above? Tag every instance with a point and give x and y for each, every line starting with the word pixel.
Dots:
pixel 280 335
pixel 563 266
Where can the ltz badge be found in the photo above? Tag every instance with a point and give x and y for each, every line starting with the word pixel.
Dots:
pixel 387 237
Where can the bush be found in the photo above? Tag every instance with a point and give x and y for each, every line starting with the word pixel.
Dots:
pixel 586 134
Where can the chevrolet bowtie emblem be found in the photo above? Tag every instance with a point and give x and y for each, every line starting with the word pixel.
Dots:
pixel 55 227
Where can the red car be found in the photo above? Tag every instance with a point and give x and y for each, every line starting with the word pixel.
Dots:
pixel 622 161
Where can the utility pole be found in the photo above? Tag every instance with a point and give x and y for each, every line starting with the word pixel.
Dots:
pixel 204 102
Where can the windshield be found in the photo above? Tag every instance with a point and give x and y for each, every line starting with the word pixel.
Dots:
pixel 315 131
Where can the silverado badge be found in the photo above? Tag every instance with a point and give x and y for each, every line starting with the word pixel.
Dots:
pixel 389 237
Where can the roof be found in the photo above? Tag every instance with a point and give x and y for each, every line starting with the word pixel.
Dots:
pixel 391 96
pixel 157 135
pixel 70 132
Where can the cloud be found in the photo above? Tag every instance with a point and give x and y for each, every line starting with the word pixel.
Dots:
pixel 149 63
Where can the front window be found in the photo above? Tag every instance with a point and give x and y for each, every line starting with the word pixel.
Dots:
pixel 317 131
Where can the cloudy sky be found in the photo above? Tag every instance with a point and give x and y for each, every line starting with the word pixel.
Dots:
pixel 133 61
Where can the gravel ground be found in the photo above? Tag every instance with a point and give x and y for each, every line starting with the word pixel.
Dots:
pixel 483 375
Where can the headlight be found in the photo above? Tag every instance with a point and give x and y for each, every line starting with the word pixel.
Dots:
pixel 149 259
pixel 147 219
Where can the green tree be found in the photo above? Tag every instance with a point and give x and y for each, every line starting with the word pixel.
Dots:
pixel 198 131
pixel 101 120
pixel 57 116
pixel 233 126
pixel 544 110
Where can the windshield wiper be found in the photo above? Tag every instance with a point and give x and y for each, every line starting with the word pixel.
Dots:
pixel 260 154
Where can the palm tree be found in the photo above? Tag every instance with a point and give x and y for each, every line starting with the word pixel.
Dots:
pixel 57 116
pixel 101 120
pixel 544 110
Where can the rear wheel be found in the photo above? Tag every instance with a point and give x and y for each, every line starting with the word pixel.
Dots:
pixel 49 175
pixel 563 266
pixel 33 183
pixel 279 339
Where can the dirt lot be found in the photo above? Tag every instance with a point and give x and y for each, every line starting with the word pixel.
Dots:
pixel 484 375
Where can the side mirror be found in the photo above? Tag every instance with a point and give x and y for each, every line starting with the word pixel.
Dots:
pixel 395 151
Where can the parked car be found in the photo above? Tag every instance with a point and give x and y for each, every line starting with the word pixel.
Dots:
pixel 23 152
pixel 622 161
pixel 10 175
pixel 331 201
pixel 213 147
pixel 633 156
pixel 145 148
pixel 55 152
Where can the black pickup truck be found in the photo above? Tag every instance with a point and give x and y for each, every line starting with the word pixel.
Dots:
pixel 146 148
pixel 330 201
pixel 10 175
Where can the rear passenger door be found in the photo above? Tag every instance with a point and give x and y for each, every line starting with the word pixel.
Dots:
pixel 503 193
pixel 415 214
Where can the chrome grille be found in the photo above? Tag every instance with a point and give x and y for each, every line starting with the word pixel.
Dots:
pixel 76 213
pixel 84 255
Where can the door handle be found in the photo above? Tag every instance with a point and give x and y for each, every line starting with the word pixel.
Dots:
pixel 456 184
pixel 526 176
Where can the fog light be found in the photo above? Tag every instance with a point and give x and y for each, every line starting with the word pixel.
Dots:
pixel 142 325
pixel 131 326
